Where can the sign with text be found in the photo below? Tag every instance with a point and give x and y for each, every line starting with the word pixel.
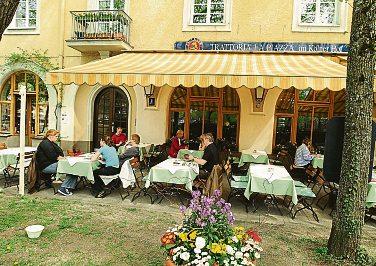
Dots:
pixel 264 46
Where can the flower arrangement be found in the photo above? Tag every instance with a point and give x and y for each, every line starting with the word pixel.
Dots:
pixel 207 237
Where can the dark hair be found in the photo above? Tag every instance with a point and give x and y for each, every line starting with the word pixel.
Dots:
pixel 136 138
pixel 108 141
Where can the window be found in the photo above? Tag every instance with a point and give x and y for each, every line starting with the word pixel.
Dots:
pixel 207 15
pixel 26 15
pixel 36 104
pixel 320 15
pixel 111 4
pixel 208 12
pixel 323 12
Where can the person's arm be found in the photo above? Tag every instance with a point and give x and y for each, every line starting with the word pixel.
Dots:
pixel 199 161
pixel 95 156
pixel 307 155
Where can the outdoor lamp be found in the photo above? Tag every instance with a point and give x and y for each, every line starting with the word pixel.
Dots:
pixel 149 91
pixel 259 96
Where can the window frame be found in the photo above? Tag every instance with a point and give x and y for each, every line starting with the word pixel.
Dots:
pixel 340 25
pixel 188 24
pixel 208 14
pixel 317 15
pixel 13 24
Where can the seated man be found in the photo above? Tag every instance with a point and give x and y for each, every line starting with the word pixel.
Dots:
pixel 177 143
pixel 210 157
pixel 303 156
pixel 119 138
pixel 131 149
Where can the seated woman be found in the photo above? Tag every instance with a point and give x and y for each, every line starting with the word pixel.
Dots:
pixel 210 157
pixel 47 155
pixel 131 149
pixel 109 155
pixel 177 143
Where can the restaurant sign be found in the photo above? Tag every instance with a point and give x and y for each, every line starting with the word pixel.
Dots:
pixel 195 44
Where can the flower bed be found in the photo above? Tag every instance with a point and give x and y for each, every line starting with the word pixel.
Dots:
pixel 207 237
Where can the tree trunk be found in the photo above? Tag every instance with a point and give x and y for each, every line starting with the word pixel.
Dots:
pixel 348 218
pixel 7 10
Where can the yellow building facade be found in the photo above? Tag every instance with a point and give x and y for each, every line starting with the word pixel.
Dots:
pixel 82 31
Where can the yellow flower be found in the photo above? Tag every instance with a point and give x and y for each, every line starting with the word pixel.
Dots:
pixel 239 228
pixel 183 236
pixel 239 236
pixel 193 235
pixel 218 248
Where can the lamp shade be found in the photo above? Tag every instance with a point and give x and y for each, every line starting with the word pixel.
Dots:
pixel 149 90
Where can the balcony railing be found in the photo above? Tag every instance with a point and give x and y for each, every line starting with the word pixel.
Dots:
pixel 101 24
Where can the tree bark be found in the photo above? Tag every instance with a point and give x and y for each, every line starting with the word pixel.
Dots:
pixel 348 219
pixel 7 10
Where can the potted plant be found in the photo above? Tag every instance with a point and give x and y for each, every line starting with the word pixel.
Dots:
pixel 207 237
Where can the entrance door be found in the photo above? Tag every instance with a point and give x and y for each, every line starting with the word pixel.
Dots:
pixel 111 110
pixel 30 117
pixel 203 118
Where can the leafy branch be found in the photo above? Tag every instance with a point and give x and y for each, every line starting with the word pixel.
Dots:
pixel 38 57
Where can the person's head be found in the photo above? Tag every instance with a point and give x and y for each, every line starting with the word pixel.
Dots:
pixel 52 135
pixel 180 133
pixel 106 141
pixel 306 141
pixel 207 139
pixel 135 138
pixel 119 130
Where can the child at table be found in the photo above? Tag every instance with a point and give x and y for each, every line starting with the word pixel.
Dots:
pixel 109 155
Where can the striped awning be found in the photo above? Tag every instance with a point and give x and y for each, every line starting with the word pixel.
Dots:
pixel 206 69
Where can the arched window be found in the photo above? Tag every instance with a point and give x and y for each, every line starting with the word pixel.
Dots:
pixel 199 110
pixel 305 113
pixel 36 104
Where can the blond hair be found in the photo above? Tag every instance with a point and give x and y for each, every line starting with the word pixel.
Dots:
pixel 51 132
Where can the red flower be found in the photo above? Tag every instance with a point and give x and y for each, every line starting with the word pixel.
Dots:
pixel 168 238
pixel 254 236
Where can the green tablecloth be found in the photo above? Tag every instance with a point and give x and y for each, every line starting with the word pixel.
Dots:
pixel 371 195
pixel 318 162
pixel 248 158
pixel 195 153
pixel 282 185
pixel 165 172
pixel 81 168
pixel 9 156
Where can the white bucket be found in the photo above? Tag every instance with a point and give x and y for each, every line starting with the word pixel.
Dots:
pixel 34 231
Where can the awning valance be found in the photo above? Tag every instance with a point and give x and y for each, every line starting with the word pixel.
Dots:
pixel 205 69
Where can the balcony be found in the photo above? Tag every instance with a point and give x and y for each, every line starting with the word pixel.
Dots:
pixel 100 30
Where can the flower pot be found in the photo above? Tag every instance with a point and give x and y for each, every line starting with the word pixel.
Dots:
pixel 169 262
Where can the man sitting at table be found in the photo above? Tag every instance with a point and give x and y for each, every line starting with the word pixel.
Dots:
pixel 303 156
pixel 119 138
pixel 47 156
pixel 177 143
pixel 210 157
pixel 131 149
pixel 109 155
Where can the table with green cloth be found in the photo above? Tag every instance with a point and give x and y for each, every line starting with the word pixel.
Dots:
pixel 270 179
pixel 253 156
pixel 194 153
pixel 173 171
pixel 143 148
pixel 318 161
pixel 9 156
pixel 371 195
pixel 80 166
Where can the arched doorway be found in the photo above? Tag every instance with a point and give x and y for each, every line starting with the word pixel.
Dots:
pixel 36 105
pixel 111 110
pixel 199 110
pixel 304 113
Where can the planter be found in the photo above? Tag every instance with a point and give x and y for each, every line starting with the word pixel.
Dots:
pixel 169 262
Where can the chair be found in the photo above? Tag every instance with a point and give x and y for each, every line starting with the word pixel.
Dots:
pixel 329 190
pixel 135 164
pixel 214 181
pixel 114 182
pixel 10 172
pixel 3 145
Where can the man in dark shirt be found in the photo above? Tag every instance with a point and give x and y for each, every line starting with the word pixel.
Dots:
pixel 210 157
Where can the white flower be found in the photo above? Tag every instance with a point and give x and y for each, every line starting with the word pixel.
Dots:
pixel 206 264
pixel 197 251
pixel 185 256
pixel 242 249
pixel 246 255
pixel 235 239
pixel 229 250
pixel 257 255
pixel 174 258
pixel 200 242
pixel 238 255
pixel 204 253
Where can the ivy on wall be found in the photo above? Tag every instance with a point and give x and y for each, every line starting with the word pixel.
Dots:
pixel 38 57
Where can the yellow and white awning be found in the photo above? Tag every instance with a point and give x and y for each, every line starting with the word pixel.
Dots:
pixel 206 69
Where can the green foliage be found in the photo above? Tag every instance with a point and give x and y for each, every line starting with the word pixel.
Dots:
pixel 38 57
pixel 363 259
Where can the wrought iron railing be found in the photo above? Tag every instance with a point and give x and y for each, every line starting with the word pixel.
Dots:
pixel 101 24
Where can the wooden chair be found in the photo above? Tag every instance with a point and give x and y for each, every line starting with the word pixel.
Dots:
pixel 3 146
pixel 11 172
pixel 328 190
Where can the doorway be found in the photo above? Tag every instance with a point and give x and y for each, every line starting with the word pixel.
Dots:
pixel 30 117
pixel 111 110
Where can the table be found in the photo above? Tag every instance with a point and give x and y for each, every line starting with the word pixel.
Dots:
pixel 80 166
pixel 248 156
pixel 318 161
pixel 195 153
pixel 173 171
pixel 9 156
pixel 272 180
pixel 142 147
pixel 371 195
